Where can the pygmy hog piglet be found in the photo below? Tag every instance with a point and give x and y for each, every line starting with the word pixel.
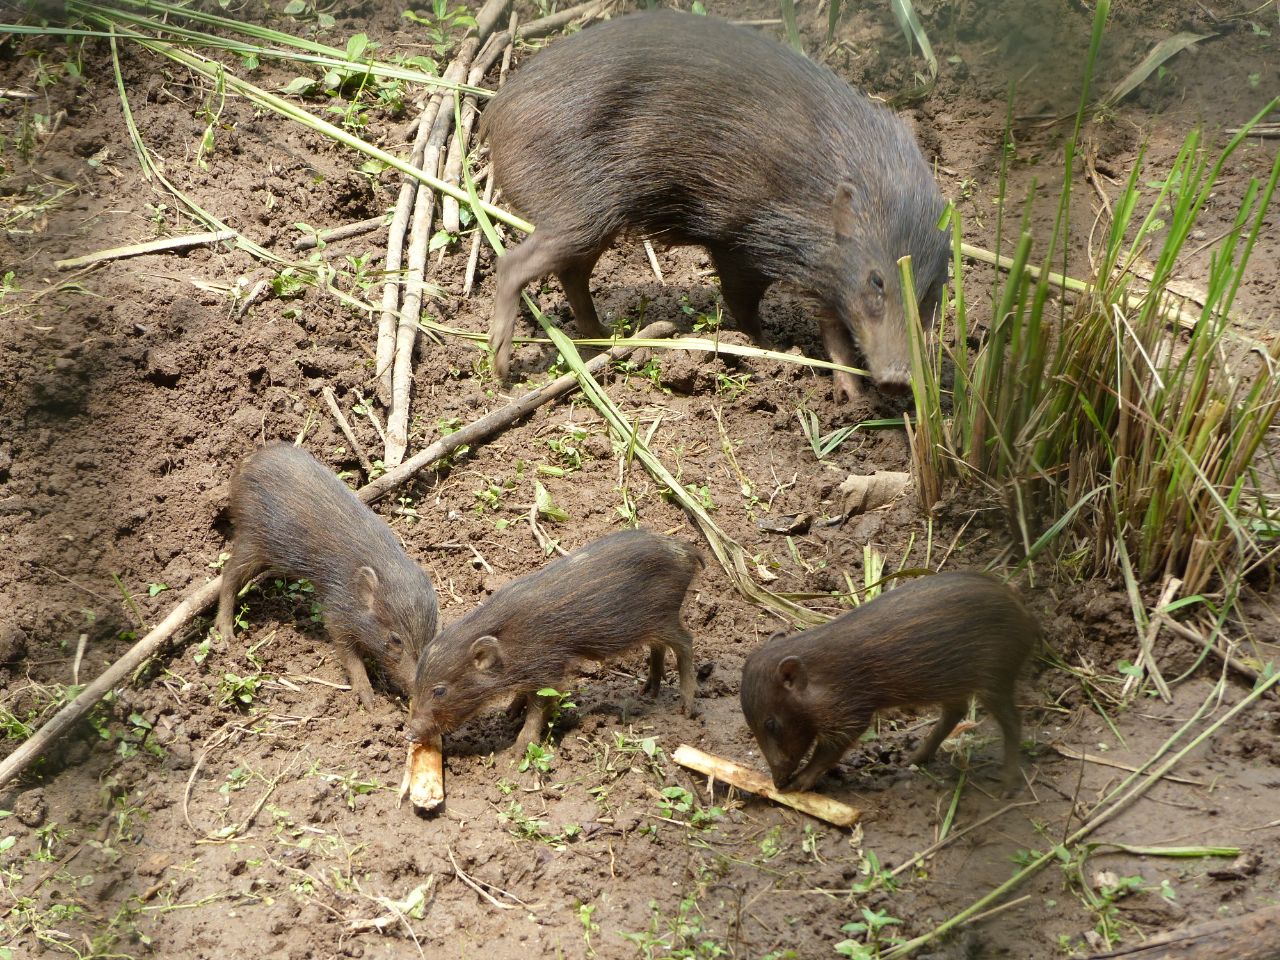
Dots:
pixel 690 130
pixel 292 516
pixel 612 595
pixel 939 639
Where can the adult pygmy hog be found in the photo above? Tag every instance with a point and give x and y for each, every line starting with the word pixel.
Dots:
pixel 689 130
pixel 293 516
pixel 939 639
pixel 610 596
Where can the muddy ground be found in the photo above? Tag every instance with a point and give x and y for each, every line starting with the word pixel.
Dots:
pixel 236 799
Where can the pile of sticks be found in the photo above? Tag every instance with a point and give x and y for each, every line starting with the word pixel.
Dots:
pixel 436 151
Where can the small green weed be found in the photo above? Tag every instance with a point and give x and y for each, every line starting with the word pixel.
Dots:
pixel 731 386
pixel 352 786
pixel 871 926
pixel 547 507
pixel 537 757
pixel 877 876
pixel 682 937
pixel 238 691
pixel 589 926
pixel 444 26
pixel 771 843
pixel 524 827
pixel 677 800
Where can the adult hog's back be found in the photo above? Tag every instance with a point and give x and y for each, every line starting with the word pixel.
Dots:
pixel 690 130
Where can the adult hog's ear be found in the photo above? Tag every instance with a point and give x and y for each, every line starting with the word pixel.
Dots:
pixel 486 654
pixel 792 674
pixel 843 218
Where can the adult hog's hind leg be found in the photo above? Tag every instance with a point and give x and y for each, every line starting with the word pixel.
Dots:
pixel 576 280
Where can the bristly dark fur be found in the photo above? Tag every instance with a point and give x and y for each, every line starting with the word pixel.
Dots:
pixel 292 515
pixel 601 601
pixel 691 130
pixel 935 640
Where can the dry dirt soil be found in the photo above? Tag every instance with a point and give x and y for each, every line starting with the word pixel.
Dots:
pixel 235 800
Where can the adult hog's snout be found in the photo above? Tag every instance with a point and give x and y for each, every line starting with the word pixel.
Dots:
pixel 886 344
pixel 888 352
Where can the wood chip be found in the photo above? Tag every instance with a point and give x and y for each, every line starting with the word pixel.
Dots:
pixel 814 804
pixel 424 775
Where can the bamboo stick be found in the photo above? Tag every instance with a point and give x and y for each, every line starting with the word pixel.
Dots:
pixel 814 804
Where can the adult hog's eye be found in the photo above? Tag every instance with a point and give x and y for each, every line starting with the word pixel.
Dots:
pixel 438 691
pixel 771 726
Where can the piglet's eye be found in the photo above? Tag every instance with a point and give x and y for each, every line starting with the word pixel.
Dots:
pixel 771 725
pixel 438 691
pixel 877 281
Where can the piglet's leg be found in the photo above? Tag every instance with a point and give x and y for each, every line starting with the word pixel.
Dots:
pixel 681 644
pixel 535 721
pixel 1006 714
pixel 952 713
pixel 236 572
pixel 657 653
pixel 516 706
pixel 355 671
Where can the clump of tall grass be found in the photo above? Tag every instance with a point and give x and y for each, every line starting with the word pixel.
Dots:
pixel 1121 440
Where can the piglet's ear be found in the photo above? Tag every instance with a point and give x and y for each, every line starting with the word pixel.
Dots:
pixel 366 588
pixel 486 654
pixel 843 218
pixel 792 674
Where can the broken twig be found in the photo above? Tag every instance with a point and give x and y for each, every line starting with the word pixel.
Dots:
pixel 345 427
pixel 165 245
pixel 496 419
pixel 814 804
pixel 343 232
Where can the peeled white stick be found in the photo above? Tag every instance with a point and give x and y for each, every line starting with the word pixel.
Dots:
pixel 814 804
pixel 450 218
pixel 415 277
pixel 423 781
pixel 385 356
